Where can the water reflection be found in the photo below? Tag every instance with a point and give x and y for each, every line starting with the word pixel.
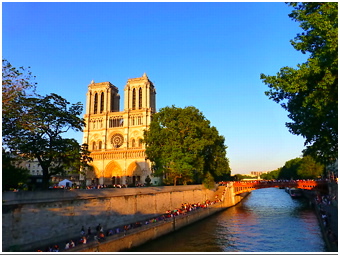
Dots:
pixel 268 220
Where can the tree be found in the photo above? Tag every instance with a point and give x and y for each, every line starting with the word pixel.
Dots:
pixel 310 92
pixel 216 162
pixel 309 168
pixel 183 147
pixel 272 175
pixel 13 176
pixel 289 170
pixel 83 164
pixel 301 168
pixel 16 85
pixel 37 133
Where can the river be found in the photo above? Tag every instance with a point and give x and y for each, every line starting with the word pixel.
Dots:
pixel 268 220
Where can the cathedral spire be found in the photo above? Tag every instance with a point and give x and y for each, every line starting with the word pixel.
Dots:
pixel 144 75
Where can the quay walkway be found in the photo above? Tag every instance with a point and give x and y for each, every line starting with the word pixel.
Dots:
pixel 119 232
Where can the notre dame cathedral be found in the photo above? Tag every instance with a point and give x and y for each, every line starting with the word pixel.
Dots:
pixel 115 137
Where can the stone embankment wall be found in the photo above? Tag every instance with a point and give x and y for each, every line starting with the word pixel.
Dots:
pixel 136 237
pixel 139 236
pixel 39 219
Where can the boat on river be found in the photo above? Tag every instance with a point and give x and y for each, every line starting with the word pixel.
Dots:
pixel 294 192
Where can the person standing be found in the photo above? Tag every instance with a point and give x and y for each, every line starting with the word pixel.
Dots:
pixel 82 231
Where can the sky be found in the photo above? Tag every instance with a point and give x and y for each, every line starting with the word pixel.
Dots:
pixel 206 55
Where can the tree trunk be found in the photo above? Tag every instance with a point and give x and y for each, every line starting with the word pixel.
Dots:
pixel 46 179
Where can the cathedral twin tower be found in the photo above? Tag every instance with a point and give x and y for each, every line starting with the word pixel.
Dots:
pixel 115 137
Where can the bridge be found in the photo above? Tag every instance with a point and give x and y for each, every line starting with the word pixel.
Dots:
pixel 247 186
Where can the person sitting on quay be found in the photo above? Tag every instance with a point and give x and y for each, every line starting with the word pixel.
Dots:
pixel 49 249
pixel 55 248
pixel 67 246
pixel 99 228
pixel 109 232
pixel 82 231
pixel 127 227
pixel 117 230
pixel 83 240
pixel 101 236
pixel 137 224
pixel 72 244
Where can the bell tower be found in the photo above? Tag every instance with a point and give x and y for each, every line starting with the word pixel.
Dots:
pixel 140 94
pixel 101 98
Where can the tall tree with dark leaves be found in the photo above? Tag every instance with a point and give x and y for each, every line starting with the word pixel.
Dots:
pixel 38 133
pixel 17 83
pixel 310 92
pixel 183 147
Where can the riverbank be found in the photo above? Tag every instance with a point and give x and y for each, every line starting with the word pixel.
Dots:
pixel 326 210
pixel 36 220
pixel 132 235
pixel 266 221
pixel 138 236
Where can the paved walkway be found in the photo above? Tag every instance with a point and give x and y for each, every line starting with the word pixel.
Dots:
pixel 150 223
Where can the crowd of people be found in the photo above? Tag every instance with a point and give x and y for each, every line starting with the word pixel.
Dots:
pixel 101 235
pixel 327 206
pixel 94 186
pixel 323 202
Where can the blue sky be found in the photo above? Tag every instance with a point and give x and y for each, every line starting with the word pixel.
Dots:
pixel 207 55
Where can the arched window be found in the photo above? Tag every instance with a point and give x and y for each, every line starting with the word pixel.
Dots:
pixel 140 98
pixel 133 143
pixel 94 146
pixel 102 102
pixel 133 99
pixel 140 143
pixel 95 106
pixel 100 145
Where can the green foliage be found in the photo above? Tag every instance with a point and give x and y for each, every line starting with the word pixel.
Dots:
pixel 310 92
pixel 83 164
pixel 310 169
pixel 16 84
pixel 301 168
pixel 37 133
pixel 209 181
pixel 183 147
pixel 289 170
pixel 13 176
pixel 272 175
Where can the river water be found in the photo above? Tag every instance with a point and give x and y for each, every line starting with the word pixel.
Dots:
pixel 268 220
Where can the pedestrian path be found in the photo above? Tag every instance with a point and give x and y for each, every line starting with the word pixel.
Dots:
pixel 101 235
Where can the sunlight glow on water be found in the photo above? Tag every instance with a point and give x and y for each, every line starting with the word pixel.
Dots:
pixel 268 220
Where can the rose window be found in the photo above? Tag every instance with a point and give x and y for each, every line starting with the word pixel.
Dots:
pixel 117 140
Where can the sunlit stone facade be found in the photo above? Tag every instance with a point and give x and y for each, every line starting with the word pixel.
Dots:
pixel 114 137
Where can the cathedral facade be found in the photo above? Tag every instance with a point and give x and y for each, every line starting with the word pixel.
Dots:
pixel 115 137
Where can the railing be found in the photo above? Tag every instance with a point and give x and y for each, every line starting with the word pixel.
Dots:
pixel 247 186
